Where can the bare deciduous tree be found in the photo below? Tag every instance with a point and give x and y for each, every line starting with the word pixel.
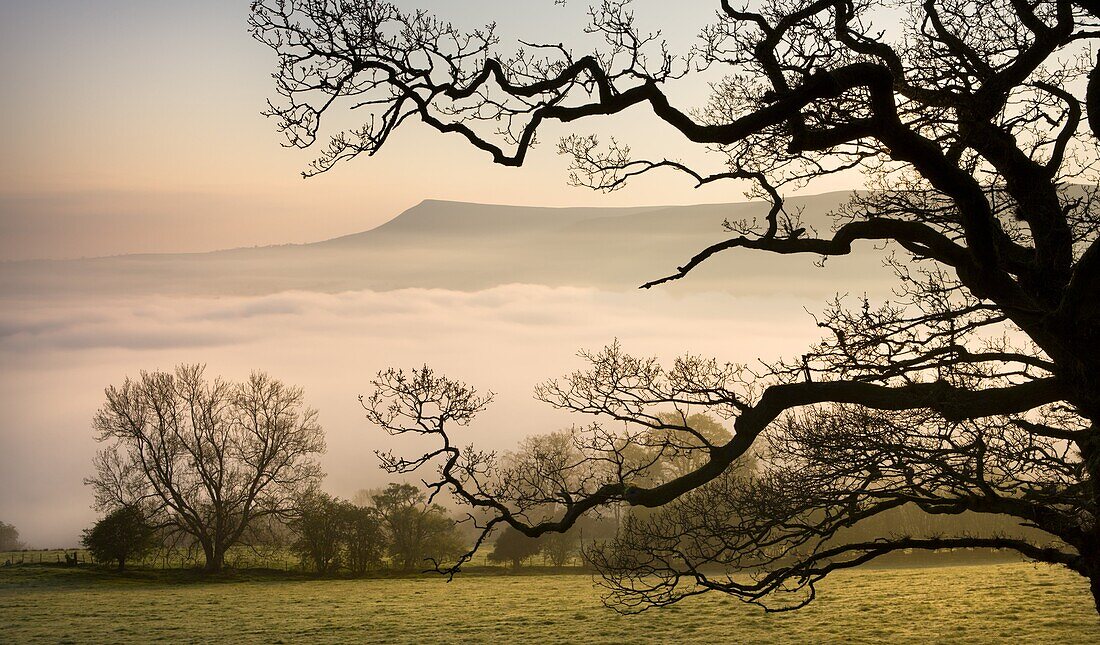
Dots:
pixel 205 458
pixel 976 389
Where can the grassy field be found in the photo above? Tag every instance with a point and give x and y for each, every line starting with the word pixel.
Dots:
pixel 1000 603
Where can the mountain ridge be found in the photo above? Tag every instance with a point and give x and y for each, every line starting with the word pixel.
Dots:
pixel 458 245
pixel 512 219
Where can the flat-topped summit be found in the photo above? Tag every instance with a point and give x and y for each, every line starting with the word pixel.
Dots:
pixel 435 217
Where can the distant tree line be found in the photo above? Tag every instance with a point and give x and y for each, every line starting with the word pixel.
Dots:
pixel 396 528
pixel 207 465
pixel 393 529
pixel 551 549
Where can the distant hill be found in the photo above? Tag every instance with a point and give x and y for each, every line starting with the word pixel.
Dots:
pixel 462 246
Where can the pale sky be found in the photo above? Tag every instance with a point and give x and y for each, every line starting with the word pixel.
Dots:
pixel 133 125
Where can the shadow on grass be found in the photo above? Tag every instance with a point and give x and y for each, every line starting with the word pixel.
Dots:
pixel 53 575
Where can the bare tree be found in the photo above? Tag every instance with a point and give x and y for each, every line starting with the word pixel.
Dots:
pixel 205 458
pixel 977 388
pixel 662 453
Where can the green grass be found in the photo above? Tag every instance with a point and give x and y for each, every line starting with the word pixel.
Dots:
pixel 987 603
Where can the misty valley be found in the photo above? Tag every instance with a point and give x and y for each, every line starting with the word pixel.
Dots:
pixel 414 321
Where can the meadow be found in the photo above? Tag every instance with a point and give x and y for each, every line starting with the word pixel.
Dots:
pixel 989 603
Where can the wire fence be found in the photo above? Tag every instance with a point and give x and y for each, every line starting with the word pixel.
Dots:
pixel 45 556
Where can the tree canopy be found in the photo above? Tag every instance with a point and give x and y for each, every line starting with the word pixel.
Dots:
pixel 513 547
pixel 9 538
pixel 205 458
pixel 124 534
pixel 320 526
pixel 976 387
pixel 419 534
pixel 333 533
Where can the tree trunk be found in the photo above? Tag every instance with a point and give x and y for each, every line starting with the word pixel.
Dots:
pixel 1094 585
pixel 215 558
pixel 1092 100
pixel 122 566
pixel 1090 454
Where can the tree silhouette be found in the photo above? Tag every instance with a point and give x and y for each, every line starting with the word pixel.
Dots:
pixel 976 388
pixel 418 533
pixel 207 458
pixel 364 540
pixel 124 534
pixel 513 547
pixel 320 526
pixel 560 548
pixel 9 538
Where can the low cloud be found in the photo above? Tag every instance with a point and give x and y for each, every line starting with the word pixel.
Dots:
pixel 518 310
